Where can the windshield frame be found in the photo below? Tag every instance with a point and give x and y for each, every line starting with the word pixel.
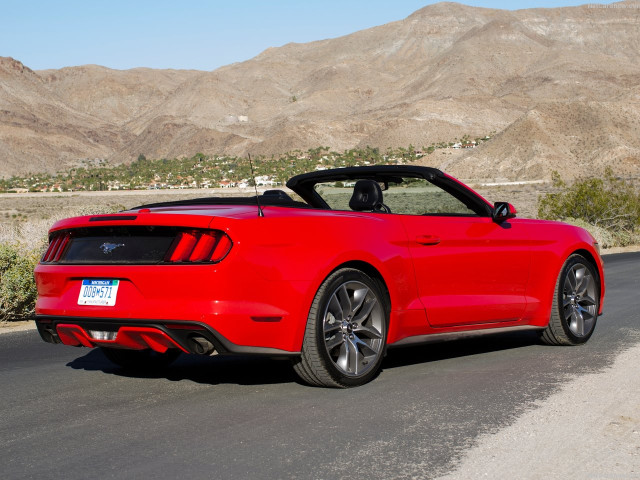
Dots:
pixel 304 185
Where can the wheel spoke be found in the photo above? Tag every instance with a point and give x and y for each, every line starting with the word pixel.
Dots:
pixel 342 360
pixel 352 354
pixel 586 314
pixel 587 300
pixel 359 296
pixel 579 272
pixel 578 324
pixel 569 314
pixel 366 347
pixel 344 300
pixel 566 302
pixel 585 285
pixel 334 308
pixel 334 341
pixel 571 281
pixel 331 327
pixel 364 313
pixel 368 331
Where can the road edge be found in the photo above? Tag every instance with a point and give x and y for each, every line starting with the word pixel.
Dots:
pixel 23 326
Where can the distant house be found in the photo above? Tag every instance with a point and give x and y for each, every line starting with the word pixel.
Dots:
pixel 265 180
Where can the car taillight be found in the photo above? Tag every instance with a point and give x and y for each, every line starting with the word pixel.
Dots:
pixel 56 247
pixel 199 246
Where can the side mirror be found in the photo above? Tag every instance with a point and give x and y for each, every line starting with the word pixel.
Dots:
pixel 503 211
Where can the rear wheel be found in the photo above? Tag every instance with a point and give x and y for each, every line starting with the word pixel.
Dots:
pixel 346 331
pixel 141 359
pixel 575 304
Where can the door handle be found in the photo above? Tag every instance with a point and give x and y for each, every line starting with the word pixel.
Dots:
pixel 428 240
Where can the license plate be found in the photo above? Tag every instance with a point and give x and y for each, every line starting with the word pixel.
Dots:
pixel 98 292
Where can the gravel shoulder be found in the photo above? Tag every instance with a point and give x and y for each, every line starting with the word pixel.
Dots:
pixel 20 326
pixel 590 429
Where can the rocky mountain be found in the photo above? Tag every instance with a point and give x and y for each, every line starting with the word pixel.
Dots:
pixel 39 131
pixel 560 87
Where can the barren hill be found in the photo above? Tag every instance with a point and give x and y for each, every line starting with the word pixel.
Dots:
pixel 560 86
pixel 39 131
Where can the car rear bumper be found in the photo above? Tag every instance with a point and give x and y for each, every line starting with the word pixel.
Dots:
pixel 136 334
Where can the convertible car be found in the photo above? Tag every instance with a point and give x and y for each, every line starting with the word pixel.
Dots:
pixel 350 262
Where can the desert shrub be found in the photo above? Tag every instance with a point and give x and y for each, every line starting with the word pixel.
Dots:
pixel 17 286
pixel 608 207
pixel 21 246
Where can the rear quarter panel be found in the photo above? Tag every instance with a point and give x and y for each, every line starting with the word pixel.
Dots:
pixel 287 247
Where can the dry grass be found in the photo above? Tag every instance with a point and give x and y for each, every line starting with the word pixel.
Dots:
pixel 26 218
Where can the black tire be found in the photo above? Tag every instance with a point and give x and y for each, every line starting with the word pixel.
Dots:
pixel 346 332
pixel 141 360
pixel 575 304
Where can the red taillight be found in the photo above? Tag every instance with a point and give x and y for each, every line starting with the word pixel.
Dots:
pixel 61 247
pixel 199 246
pixel 56 248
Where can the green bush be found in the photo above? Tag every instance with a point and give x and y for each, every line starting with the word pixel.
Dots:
pixel 608 207
pixel 21 246
pixel 17 286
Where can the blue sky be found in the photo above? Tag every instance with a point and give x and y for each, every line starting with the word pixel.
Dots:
pixel 196 34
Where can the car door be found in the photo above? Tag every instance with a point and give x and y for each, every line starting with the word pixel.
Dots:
pixel 469 269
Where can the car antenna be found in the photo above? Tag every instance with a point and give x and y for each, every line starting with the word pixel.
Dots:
pixel 255 185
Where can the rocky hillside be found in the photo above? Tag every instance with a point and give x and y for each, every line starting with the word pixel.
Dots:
pixel 561 87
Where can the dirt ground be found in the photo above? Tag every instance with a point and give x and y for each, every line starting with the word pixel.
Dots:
pixel 18 326
pixel 570 435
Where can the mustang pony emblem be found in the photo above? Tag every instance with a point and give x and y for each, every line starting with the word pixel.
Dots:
pixel 107 248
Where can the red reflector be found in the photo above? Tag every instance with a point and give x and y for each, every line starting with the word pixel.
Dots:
pixel 266 319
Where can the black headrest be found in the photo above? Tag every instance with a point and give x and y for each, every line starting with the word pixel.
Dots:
pixel 367 195
pixel 279 194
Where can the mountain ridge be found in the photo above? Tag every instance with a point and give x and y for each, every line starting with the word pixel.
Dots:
pixel 445 71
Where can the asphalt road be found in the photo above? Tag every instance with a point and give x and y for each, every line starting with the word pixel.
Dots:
pixel 69 413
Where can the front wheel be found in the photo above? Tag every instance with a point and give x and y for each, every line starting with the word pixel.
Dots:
pixel 575 304
pixel 146 360
pixel 346 331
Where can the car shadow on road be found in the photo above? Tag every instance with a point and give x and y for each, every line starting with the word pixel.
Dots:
pixel 240 370
pixel 247 370
pixel 434 351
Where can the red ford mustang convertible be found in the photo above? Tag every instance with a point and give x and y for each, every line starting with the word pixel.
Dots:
pixel 361 259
